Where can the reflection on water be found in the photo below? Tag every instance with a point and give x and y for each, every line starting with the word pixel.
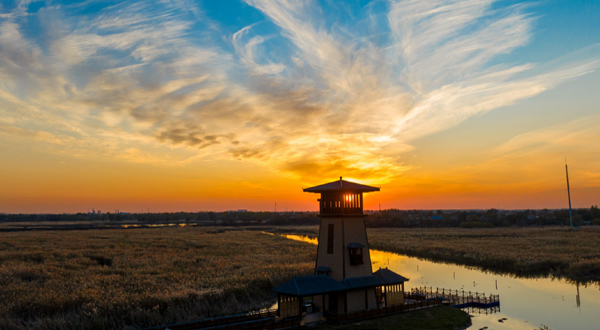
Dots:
pixel 155 225
pixel 307 239
pixel 525 303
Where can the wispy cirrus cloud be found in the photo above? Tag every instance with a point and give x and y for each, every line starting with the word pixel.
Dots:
pixel 322 92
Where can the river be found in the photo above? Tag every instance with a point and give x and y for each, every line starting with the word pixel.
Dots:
pixel 524 303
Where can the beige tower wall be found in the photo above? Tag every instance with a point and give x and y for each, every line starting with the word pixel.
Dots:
pixel 355 231
pixel 333 261
pixel 346 230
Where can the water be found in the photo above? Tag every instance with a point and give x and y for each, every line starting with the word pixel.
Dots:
pixel 525 303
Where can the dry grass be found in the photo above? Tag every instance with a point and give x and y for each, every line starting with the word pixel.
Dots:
pixel 120 279
pixel 528 252
pixel 559 251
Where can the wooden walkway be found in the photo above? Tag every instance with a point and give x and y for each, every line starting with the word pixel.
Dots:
pixel 456 298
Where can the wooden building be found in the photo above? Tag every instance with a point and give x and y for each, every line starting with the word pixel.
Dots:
pixel 344 281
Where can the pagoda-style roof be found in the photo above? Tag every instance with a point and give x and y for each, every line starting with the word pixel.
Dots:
pixel 340 185
pixel 310 285
pixel 320 284
pixel 389 277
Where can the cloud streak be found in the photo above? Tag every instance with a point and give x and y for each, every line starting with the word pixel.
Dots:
pixel 321 93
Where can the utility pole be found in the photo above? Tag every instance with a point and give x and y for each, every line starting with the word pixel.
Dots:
pixel 569 192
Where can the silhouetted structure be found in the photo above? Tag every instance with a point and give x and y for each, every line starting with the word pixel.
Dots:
pixel 344 281
pixel 569 193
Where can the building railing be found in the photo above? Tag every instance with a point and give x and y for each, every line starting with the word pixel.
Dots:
pixel 369 313
pixel 455 297
pixel 341 204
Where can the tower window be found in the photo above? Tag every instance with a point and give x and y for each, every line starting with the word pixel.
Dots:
pixel 330 239
pixel 356 253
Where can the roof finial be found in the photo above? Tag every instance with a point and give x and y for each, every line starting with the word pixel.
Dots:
pixel 341 177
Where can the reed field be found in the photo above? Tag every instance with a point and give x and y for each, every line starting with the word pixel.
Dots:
pixel 529 252
pixel 134 278
pixel 573 254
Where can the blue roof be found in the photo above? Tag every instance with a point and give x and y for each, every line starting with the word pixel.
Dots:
pixel 310 285
pixel 319 284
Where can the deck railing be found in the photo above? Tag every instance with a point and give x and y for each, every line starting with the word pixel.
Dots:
pixel 455 297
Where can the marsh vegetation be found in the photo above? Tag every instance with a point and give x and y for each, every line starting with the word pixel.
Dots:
pixel 125 279
pixel 528 252
pixel 573 254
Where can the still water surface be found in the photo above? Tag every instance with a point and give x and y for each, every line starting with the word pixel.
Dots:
pixel 525 303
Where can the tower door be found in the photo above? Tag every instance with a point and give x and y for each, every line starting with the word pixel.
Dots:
pixel 333 302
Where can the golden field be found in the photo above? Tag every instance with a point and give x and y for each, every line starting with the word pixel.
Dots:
pixel 135 278
pixel 127 279
pixel 559 251
pixel 528 252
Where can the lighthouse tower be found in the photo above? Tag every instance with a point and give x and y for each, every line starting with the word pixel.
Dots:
pixel 343 246
pixel 343 251
pixel 344 281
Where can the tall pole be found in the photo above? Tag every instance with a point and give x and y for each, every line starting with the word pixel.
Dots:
pixel 569 192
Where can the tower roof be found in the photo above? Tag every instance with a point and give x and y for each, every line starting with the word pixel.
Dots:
pixel 340 185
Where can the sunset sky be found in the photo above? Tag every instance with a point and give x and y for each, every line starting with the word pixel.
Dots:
pixel 181 105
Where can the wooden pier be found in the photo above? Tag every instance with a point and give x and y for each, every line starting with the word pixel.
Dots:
pixel 458 298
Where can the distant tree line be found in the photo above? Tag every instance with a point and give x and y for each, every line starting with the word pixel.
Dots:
pixel 384 218
pixel 484 218
pixel 230 218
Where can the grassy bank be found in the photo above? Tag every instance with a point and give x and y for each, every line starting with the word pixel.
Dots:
pixel 124 279
pixel 559 251
pixel 439 318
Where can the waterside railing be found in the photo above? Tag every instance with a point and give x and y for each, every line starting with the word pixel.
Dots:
pixel 457 298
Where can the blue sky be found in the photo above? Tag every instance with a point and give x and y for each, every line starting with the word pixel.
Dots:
pixel 439 99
